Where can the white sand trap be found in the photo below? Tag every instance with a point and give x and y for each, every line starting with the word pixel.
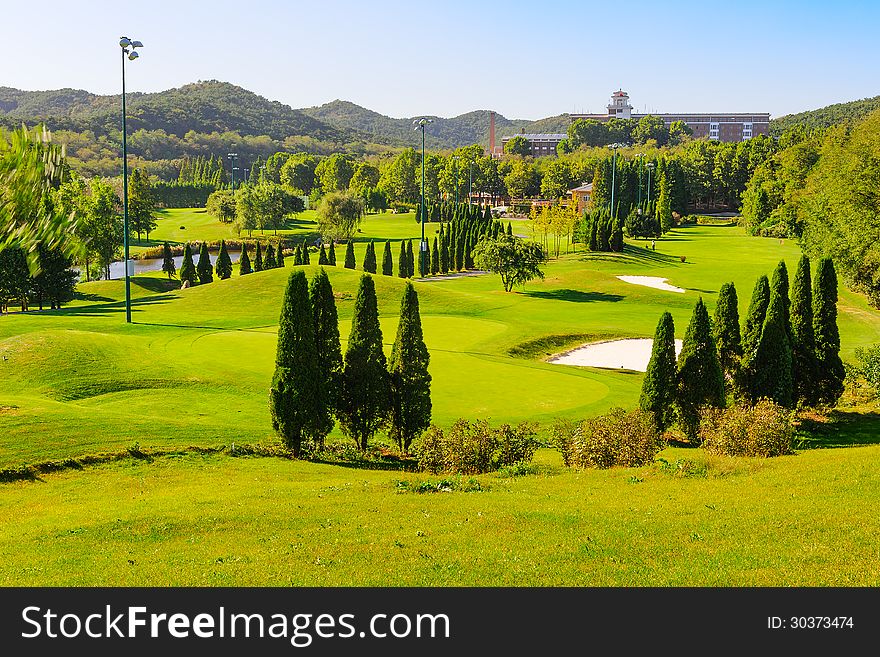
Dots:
pixel 651 281
pixel 630 354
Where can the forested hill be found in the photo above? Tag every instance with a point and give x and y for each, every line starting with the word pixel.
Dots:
pixel 462 130
pixel 826 116
pixel 203 107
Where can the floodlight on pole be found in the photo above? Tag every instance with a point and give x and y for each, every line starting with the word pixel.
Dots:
pixel 128 50
pixel 419 124
pixel 232 157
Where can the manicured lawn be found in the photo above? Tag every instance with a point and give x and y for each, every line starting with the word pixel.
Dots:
pixel 194 369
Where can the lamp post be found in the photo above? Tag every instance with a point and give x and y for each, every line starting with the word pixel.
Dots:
pixel 128 50
pixel 419 124
pixel 650 166
pixel 232 157
pixel 641 158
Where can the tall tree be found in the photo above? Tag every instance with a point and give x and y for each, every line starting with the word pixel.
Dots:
pixel 725 330
pixel 756 314
pixel 269 261
pixel 435 258
pixel 387 261
pixel 402 261
pixel 804 364
pixel 327 348
pixel 366 394
pixel 410 261
pixel 370 258
pixel 349 255
pixel 779 284
pixel 305 252
pixel 700 380
pixel 297 401
pixel 224 262
pixel 140 204
pixel 322 258
pixel 204 268
pixel 331 256
pixel 831 372
pixel 187 268
pixel 168 265
pixel 279 255
pixel 769 364
pixel 258 259
pixel 410 412
pixel 659 384
pixel 244 263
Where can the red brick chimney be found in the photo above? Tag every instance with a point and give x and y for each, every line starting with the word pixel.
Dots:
pixel 491 133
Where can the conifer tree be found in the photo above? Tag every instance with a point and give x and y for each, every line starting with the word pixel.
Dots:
pixel 594 234
pixel 168 265
pixel 660 382
pixel 444 255
pixel 387 261
pixel 297 255
pixel 269 262
pixel 187 268
pixel 700 381
pixel 410 260
pixel 370 258
pixel 616 241
pixel 224 262
pixel 258 259
pixel 804 364
pixel 305 253
pixel 779 285
pixel 831 372
pixel 410 412
pixel 402 261
pixel 204 268
pixel 244 262
pixel 769 364
pixel 279 255
pixel 363 408
pixel 755 316
pixel 331 256
pixel 487 214
pixel 297 401
pixel 509 229
pixel 349 255
pixel 327 345
pixel 322 258
pixel 725 330
pixel 435 258
pixel 459 248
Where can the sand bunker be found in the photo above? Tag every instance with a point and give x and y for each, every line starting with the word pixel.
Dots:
pixel 651 281
pixel 630 354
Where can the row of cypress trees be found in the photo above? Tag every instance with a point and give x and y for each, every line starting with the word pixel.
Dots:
pixel 602 232
pixel 788 350
pixel 314 385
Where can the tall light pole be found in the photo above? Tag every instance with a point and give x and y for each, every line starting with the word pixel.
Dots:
pixel 614 147
pixel 455 176
pixel 641 158
pixel 650 166
pixel 419 124
pixel 128 50
pixel 232 157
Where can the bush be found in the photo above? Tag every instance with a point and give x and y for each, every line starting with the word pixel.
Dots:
pixel 475 447
pixel 765 429
pixel 868 366
pixel 616 438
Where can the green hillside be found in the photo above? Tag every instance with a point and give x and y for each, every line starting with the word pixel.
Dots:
pixel 826 116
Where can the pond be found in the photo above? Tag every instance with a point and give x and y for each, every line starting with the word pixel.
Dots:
pixel 117 270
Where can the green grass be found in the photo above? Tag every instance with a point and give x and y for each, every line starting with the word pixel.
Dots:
pixel 194 368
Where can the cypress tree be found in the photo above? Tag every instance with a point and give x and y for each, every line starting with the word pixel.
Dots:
pixel 187 268
pixel 831 372
pixel 435 258
pixel 387 261
pixel 402 262
pixel 594 234
pixel 459 248
pixel 327 346
pixel 659 385
pixel 725 330
pixel 322 258
pixel 804 364
pixel 779 285
pixel 700 381
pixel 410 261
pixel 349 255
pixel 305 252
pixel 279 255
pixel 616 241
pixel 410 412
pixel 258 259
pixel 370 258
pixel 509 229
pixel 769 364
pixel 365 386
pixel 444 255
pixel 297 402
pixel 269 262
pixel 297 255
pixel 756 314
pixel 224 262
pixel 244 263
pixel 168 265
pixel 331 257
pixel 204 268
pixel 487 214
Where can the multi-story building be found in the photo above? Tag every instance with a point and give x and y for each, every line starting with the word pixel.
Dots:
pixel 540 144
pixel 723 126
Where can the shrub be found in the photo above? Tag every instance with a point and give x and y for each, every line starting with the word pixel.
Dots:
pixel 615 438
pixel 764 429
pixel 475 447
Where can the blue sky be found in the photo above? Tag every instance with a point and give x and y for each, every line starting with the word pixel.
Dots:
pixel 523 59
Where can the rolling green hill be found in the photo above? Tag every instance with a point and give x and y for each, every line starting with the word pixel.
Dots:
pixel 826 116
